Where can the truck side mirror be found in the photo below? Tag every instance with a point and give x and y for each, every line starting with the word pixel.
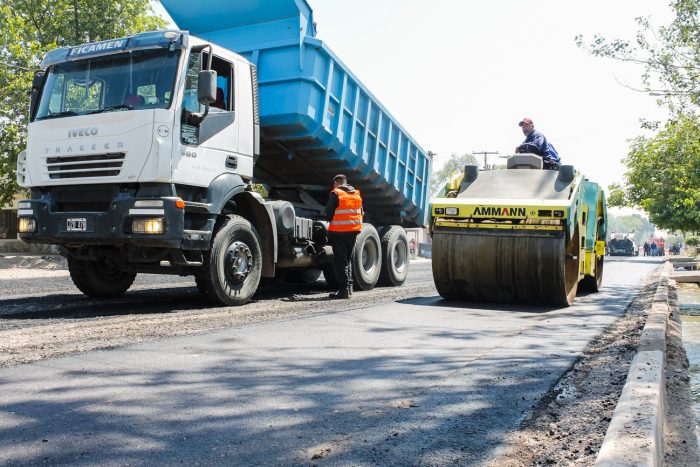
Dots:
pixel 206 87
pixel 36 86
pixel 38 79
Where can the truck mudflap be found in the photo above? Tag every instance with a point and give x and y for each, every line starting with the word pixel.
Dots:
pixel 125 222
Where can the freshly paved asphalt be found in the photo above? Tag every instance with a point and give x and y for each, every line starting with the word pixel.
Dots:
pixel 421 381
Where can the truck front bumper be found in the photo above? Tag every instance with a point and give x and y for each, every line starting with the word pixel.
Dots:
pixel 114 227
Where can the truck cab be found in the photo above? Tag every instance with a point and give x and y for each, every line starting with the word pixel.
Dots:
pixel 129 166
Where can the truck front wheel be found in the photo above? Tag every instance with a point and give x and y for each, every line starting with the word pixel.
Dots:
pixel 231 271
pixel 98 279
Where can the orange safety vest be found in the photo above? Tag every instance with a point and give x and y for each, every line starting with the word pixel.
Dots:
pixel 348 214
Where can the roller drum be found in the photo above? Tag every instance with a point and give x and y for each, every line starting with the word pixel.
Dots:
pixel 511 267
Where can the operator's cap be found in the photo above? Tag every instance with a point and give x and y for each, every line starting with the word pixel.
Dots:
pixel 340 176
pixel 524 121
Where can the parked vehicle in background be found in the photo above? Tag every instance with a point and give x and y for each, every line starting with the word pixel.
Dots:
pixel 622 244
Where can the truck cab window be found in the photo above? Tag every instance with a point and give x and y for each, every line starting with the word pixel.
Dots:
pixel 134 80
pixel 190 104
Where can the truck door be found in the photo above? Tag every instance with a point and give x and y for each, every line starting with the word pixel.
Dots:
pixel 210 147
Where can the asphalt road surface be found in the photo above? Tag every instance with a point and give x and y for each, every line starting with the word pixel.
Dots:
pixel 395 376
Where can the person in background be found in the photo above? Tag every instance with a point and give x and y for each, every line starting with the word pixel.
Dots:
pixel 344 214
pixel 646 248
pixel 536 143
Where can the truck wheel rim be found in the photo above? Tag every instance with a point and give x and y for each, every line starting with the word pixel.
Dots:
pixel 370 253
pixel 399 259
pixel 238 263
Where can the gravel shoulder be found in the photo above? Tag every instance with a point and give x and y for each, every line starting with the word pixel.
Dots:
pixel 569 424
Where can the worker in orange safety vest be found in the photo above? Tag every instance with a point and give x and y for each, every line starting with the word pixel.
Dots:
pixel 344 214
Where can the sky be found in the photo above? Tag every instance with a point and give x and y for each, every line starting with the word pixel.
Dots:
pixel 460 74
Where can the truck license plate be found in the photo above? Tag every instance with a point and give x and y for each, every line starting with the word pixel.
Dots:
pixel 78 224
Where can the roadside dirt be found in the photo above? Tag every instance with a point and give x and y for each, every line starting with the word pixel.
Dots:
pixel 568 426
pixel 34 263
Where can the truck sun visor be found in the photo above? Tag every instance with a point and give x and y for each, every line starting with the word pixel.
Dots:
pixel 148 40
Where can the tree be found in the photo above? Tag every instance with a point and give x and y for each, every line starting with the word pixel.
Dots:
pixel 625 224
pixel 670 55
pixel 456 163
pixel 663 176
pixel 30 28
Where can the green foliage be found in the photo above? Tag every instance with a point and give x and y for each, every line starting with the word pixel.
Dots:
pixel 456 163
pixel 261 189
pixel 30 28
pixel 616 196
pixel 670 55
pixel 663 176
pixel 692 241
pixel 641 227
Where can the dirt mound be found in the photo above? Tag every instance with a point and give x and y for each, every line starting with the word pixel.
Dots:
pixel 49 262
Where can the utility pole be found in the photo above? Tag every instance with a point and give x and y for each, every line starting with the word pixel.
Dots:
pixel 485 154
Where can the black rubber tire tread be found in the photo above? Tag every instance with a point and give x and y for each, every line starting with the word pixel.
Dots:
pixel 393 238
pixel 363 279
pixel 210 278
pixel 504 267
pixel 98 280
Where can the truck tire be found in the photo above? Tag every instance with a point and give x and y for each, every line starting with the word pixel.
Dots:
pixel 98 279
pixel 231 271
pixel 367 260
pixel 394 256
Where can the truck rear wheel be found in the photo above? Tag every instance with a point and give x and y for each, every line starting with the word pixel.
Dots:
pixel 231 271
pixel 367 260
pixel 394 256
pixel 98 279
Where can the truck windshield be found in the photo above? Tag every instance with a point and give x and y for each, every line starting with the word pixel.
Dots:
pixel 141 79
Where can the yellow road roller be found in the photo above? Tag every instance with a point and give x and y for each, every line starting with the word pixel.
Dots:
pixel 518 235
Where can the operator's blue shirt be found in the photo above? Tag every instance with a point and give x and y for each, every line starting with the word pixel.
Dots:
pixel 546 149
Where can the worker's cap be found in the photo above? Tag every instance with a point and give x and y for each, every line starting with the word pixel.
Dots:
pixel 524 121
pixel 340 177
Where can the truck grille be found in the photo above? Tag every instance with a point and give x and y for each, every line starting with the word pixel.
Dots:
pixel 95 165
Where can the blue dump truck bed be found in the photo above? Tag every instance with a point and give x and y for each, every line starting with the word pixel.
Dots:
pixel 317 119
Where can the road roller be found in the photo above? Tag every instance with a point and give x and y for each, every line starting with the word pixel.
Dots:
pixel 519 234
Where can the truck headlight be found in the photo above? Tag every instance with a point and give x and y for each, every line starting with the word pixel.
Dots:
pixel 148 225
pixel 26 225
pixel 451 211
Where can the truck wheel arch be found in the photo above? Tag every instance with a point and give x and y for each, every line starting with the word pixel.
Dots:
pixel 250 205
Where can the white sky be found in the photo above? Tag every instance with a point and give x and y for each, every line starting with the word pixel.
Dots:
pixel 460 74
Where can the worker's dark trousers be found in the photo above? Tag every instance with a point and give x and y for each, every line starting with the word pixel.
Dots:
pixel 343 245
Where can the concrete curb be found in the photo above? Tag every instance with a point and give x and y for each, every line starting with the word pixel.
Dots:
pixel 635 434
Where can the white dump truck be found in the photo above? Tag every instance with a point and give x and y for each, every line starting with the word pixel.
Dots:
pixel 142 152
